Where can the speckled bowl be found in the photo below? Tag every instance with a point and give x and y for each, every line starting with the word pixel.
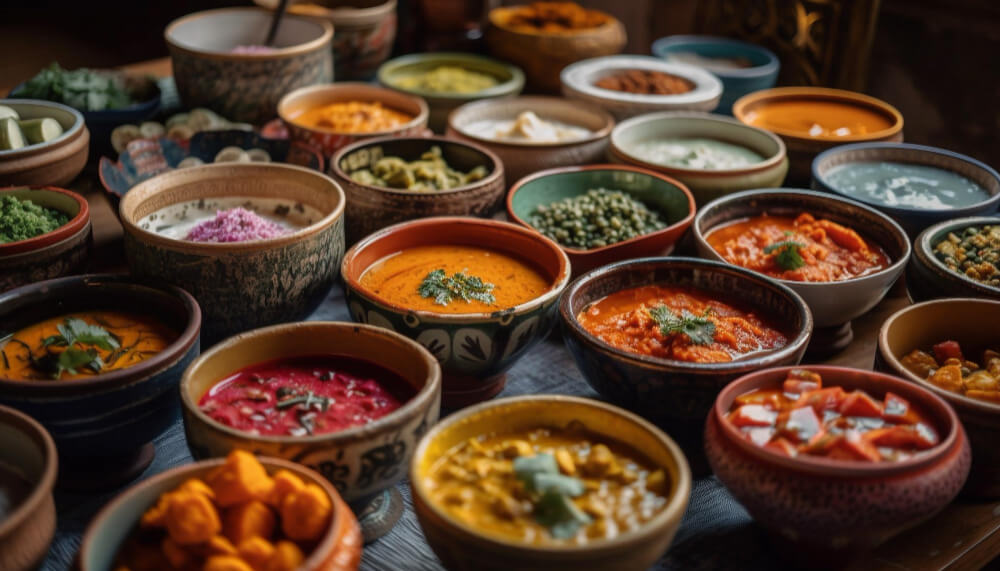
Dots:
pixel 464 548
pixel 246 87
pixel 474 349
pixel 371 208
pixel 240 285
pixel 705 185
pixel 823 511
pixel 928 278
pixel 54 163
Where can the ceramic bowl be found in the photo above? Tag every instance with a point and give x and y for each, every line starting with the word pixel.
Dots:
pixel 338 550
pixel 912 219
pixel 510 80
pixel 802 149
pixel 371 208
pixel 58 253
pixel 705 185
pixel 55 163
pixel 543 55
pixel 521 159
pixel 101 424
pixel 464 548
pixel 206 72
pixel 578 83
pixel 833 304
pixel 27 528
pixel 761 73
pixel 240 285
pixel 332 141
pixel 927 277
pixel 474 349
pixel 667 196
pixel 824 510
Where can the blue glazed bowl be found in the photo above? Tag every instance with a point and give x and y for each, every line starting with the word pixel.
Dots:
pixel 735 82
pixel 913 220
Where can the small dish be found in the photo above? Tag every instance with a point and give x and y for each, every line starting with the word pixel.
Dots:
pixel 927 277
pixel 55 163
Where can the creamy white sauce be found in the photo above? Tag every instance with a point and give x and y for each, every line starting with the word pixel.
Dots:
pixel 527 127
pixel 695 153
pixel 906 184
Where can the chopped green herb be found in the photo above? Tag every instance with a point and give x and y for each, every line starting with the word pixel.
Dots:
pixel 700 330
pixel 788 257
pixel 444 289
pixel 73 332
pixel 550 494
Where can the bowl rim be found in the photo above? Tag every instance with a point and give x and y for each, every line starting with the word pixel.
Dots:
pixel 706 85
pixel 220 248
pixel 71 227
pixel 676 503
pixel 555 289
pixel 610 22
pixel 893 268
pixel 586 106
pixel 475 62
pixel 279 53
pixel 42 488
pixel 665 116
pixel 925 250
pixel 820 177
pixel 496 173
pixel 852 98
pixel 394 419
pixel 558 171
pixel 773 64
pixel 71 133
pixel 172 353
pixel 751 362
pixel 352 17
pixel 420 119
pixel 827 466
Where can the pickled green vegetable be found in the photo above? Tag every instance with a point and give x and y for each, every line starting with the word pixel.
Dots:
pixel 430 173
pixel 597 218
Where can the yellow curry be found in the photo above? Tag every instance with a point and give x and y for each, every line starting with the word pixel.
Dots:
pixel 352 117
pixel 817 119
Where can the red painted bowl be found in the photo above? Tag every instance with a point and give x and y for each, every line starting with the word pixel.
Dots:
pixel 822 511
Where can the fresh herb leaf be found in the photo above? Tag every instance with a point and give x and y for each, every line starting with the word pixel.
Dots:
pixel 700 330
pixel 788 257
pixel 560 515
pixel 88 334
pixel 73 332
pixel 444 289
pixel 72 359
pixel 550 493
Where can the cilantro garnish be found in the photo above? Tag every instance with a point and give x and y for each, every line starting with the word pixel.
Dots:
pixel 74 335
pixel 699 330
pixel 788 257
pixel 444 289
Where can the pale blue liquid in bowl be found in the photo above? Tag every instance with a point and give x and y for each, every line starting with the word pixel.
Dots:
pixel 905 185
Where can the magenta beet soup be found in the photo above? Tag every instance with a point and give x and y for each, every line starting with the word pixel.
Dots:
pixel 301 396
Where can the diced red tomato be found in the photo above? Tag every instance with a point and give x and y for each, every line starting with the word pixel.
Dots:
pixel 753 415
pixel 921 436
pixel 897 409
pixel 799 424
pixel 854 447
pixel 801 380
pixel 822 399
pixel 782 446
pixel 775 399
pixel 858 403
pixel 948 350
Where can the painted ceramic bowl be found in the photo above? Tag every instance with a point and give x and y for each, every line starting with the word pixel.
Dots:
pixel 474 349
pixel 543 55
pixel 329 141
pixel 54 163
pixel 912 218
pixel 58 253
pixel 833 304
pixel 338 550
pixel 671 199
pixel 101 424
pixel 828 510
pixel 522 158
pixel 206 70
pixel 462 547
pixel 741 66
pixel 578 83
pixel 927 277
pixel 27 453
pixel 803 148
pixel 240 285
pixel 510 80
pixel 705 184
pixel 371 208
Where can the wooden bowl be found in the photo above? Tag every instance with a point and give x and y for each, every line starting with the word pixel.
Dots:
pixel 464 548
pixel 55 163
pixel 927 277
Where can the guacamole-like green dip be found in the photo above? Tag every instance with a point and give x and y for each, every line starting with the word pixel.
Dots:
pixel 23 219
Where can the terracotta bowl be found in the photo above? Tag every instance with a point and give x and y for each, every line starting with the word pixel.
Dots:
pixel 521 159
pixel 706 185
pixel 240 285
pixel 927 277
pixel 102 425
pixel 331 141
pixel 474 349
pixel 464 548
pixel 338 550
pixel 28 527
pixel 971 322
pixel 360 462
pixel 371 208
pixel 60 252
pixel 54 163
pixel 825 511
pixel 669 197
pixel 802 149
pixel 207 73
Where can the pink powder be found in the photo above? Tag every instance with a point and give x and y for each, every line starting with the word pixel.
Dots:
pixel 235 225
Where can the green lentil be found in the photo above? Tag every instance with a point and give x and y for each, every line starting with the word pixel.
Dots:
pixel 23 219
pixel 599 217
pixel 974 251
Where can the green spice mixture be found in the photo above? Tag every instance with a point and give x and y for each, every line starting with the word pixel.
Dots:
pixel 597 218
pixel 23 219
pixel 974 252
